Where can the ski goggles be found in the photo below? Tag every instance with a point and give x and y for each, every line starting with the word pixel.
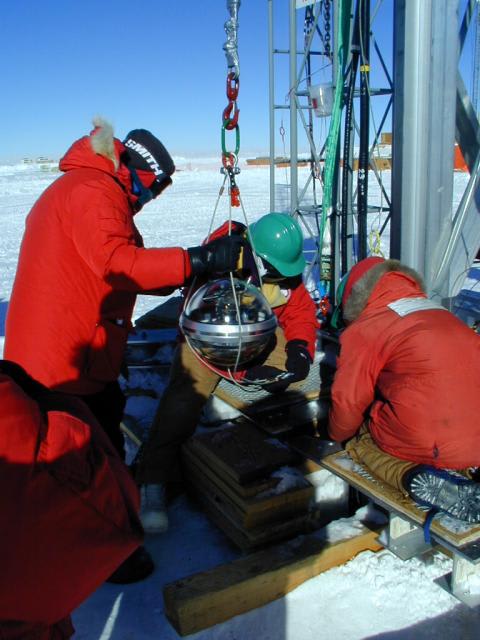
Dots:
pixel 145 194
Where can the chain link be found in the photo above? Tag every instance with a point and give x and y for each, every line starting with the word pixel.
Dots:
pixel 326 28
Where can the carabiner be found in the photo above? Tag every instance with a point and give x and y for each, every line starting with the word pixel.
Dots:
pixel 229 160
pixel 233 85
pixel 237 140
pixel 229 122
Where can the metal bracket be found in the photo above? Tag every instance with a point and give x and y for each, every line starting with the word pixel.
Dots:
pixel 458 583
pixel 405 539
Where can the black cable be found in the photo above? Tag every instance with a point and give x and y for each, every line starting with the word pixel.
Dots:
pixel 363 156
pixel 347 173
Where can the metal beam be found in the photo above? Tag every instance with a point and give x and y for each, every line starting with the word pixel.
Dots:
pixel 293 109
pixel 426 61
pixel 271 92
pixel 459 242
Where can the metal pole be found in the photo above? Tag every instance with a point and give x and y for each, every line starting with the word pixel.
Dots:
pixel 293 109
pixel 425 63
pixel 363 156
pixel 412 33
pixel 347 171
pixel 271 92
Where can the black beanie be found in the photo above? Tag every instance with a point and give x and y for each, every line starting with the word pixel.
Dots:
pixel 147 153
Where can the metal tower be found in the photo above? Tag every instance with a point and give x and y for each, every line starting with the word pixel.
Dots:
pixel 428 228
pixel 330 50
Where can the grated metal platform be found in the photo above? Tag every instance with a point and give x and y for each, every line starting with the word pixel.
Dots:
pixel 310 388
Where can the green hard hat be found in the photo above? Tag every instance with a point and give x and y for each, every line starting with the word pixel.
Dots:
pixel 278 238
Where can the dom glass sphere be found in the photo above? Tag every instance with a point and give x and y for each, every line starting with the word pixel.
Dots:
pixel 227 323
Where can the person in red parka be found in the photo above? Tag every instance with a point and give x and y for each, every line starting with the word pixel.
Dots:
pixel 68 505
pixel 405 392
pixel 278 243
pixel 81 265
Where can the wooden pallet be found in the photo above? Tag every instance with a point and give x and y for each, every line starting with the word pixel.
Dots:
pixel 406 535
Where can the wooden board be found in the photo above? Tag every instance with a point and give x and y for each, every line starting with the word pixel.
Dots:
pixel 245 490
pixel 242 452
pixel 224 515
pixel 250 512
pixel 341 464
pixel 204 599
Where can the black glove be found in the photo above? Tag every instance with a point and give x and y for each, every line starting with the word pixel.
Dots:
pixel 275 380
pixel 298 360
pixel 219 256
pixel 269 378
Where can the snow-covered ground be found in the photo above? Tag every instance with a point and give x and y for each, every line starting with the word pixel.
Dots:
pixel 372 596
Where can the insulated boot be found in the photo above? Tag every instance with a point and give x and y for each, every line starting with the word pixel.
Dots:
pixel 445 491
pixel 138 566
pixel 153 508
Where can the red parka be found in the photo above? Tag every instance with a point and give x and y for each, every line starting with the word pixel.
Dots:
pixel 411 369
pixel 68 508
pixel 81 265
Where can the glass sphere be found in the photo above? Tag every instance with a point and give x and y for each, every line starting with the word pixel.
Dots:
pixel 211 322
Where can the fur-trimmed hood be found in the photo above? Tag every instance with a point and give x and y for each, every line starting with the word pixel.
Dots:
pixel 99 150
pixel 398 281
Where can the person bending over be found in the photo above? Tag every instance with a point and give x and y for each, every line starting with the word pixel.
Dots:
pixel 405 392
pixel 82 263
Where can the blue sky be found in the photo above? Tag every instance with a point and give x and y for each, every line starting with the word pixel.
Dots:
pixel 157 64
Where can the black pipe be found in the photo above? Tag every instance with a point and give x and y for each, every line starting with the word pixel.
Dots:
pixel 364 150
pixel 347 173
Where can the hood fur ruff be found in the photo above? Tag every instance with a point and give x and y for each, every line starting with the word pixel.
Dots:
pixel 362 289
pixel 102 140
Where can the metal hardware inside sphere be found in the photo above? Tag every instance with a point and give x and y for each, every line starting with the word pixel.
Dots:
pixel 210 322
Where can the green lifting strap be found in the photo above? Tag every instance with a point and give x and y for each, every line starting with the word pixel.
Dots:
pixel 333 139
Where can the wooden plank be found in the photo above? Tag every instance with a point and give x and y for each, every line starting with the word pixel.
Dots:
pixel 245 490
pixel 385 495
pixel 222 513
pixel 250 512
pixel 204 599
pixel 242 452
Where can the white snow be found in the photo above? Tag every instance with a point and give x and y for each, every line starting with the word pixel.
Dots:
pixel 375 595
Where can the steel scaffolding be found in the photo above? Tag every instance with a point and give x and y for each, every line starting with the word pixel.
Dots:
pixel 431 110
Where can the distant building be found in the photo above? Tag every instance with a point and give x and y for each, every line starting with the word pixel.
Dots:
pixel 43 159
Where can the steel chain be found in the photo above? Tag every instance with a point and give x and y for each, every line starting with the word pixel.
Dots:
pixel 231 112
pixel 326 23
